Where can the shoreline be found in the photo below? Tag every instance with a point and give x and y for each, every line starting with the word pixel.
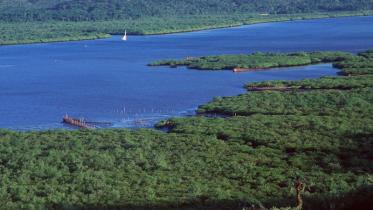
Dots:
pixel 155 125
pixel 258 21
pixel 239 23
pixel 254 61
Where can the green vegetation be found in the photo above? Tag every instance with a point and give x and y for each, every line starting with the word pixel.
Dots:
pixel 31 21
pixel 360 65
pixel 93 10
pixel 322 83
pixel 323 136
pixel 109 169
pixel 54 30
pixel 317 102
pixel 345 95
pixel 306 125
pixel 255 61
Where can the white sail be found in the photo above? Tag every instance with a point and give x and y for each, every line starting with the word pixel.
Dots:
pixel 125 36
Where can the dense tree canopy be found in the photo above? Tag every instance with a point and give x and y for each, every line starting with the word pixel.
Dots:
pixel 322 135
pixel 79 10
pixel 33 21
pixel 254 61
pixel 58 30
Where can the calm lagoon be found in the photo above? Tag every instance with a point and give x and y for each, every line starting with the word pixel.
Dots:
pixel 108 80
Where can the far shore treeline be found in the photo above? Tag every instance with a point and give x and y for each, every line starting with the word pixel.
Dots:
pixel 94 10
pixel 33 21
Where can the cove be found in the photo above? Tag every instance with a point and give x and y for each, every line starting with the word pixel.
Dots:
pixel 108 80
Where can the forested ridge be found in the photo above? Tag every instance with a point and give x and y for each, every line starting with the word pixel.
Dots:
pixel 320 134
pixel 35 21
pixel 83 10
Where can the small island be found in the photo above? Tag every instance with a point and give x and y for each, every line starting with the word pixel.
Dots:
pixel 256 61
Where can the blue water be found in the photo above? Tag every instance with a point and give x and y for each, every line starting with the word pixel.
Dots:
pixel 108 80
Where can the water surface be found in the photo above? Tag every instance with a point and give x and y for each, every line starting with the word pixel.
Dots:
pixel 108 80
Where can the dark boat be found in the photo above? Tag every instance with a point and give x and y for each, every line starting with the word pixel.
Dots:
pixel 76 122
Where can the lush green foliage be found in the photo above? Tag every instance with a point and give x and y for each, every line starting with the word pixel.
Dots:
pixel 83 10
pixel 318 128
pixel 345 95
pixel 317 102
pixel 255 61
pixel 278 131
pixel 199 165
pixel 359 65
pixel 322 83
pixel 367 54
pixel 322 136
pixel 51 28
pixel 136 169
pixel 29 32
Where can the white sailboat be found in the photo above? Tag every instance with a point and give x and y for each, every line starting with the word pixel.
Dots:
pixel 125 36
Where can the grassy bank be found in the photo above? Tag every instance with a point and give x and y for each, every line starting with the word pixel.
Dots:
pixel 51 31
pixel 322 136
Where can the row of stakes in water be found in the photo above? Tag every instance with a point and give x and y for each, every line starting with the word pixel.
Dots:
pixel 137 117
pixel 125 111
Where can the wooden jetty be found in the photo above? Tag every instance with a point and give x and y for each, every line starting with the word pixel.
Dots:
pixel 80 123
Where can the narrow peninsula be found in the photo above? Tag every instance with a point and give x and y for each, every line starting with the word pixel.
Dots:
pixel 255 61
